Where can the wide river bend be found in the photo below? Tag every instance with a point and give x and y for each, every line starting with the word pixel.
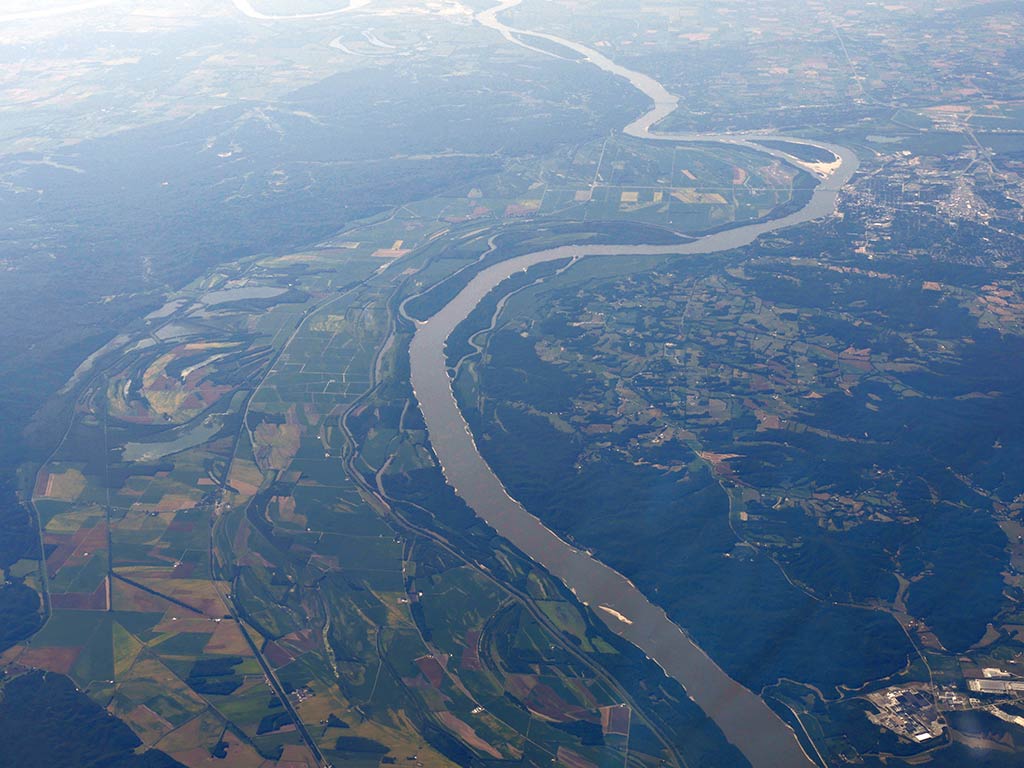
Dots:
pixel 743 717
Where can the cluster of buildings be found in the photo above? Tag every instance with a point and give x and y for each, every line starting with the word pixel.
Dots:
pixel 907 712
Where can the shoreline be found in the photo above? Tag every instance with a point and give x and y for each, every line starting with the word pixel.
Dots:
pixel 743 717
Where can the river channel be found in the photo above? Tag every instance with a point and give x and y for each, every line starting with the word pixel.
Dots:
pixel 743 717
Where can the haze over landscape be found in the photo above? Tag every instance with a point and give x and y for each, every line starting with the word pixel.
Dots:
pixel 511 383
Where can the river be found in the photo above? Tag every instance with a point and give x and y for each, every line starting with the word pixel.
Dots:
pixel 246 7
pixel 743 717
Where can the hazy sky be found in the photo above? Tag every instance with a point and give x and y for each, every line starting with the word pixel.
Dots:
pixel 21 11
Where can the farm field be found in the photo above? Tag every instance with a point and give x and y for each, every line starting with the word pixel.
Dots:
pixel 220 576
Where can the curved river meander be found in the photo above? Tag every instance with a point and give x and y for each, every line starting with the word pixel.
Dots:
pixel 743 717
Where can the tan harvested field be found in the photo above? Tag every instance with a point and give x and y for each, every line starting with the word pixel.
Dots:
pixel 245 477
pixel 64 486
pixel 286 511
pixel 51 658
pixel 147 724
pixel 520 685
pixel 276 444
pixel 198 593
pixel 471 653
pixel 41 484
pixel 240 755
pixel 546 702
pixel 398 612
pixel 241 551
pixel 172 502
pixel 296 756
pixel 149 678
pixel 329 324
pixel 129 598
pixel 571 759
pixel 227 639
pixel 326 702
pixel 693 197
pixel 199 734
pixel 144 521
pixel 301 641
pixel 718 458
pixel 177 620
pixel 465 732
pixel 402 745
pixel 615 720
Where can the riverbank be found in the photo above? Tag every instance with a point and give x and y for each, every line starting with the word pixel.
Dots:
pixel 743 717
